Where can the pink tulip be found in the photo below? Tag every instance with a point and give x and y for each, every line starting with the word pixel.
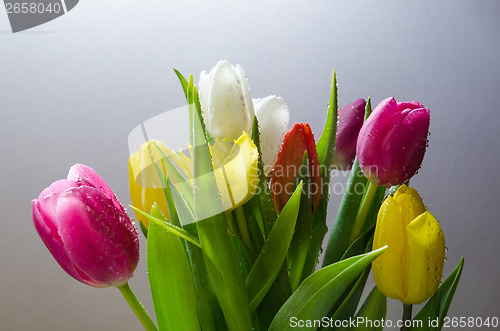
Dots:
pixel 392 142
pixel 350 122
pixel 86 229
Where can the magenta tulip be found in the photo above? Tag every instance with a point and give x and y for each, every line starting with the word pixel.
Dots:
pixel 86 229
pixel 350 122
pixel 392 142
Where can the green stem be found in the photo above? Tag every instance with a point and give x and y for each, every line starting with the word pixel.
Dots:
pixel 407 308
pixel 137 307
pixel 241 221
pixel 363 210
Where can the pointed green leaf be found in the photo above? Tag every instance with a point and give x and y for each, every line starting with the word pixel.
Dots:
pixel 170 279
pixel 265 198
pixel 169 227
pixel 326 142
pixel 297 254
pixel 438 305
pixel 349 305
pixel 183 81
pixel 319 292
pixel 374 309
pixel 271 258
pixel 176 177
pixel 339 239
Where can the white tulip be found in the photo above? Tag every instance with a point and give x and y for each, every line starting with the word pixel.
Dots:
pixel 273 117
pixel 225 101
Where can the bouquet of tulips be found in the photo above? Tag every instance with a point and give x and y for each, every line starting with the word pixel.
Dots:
pixel 235 220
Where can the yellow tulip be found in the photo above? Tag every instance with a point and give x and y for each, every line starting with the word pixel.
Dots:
pixel 146 188
pixel 410 269
pixel 236 170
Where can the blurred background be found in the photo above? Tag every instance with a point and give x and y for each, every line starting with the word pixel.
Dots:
pixel 71 91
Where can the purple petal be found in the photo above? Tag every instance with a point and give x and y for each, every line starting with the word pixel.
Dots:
pixel 349 123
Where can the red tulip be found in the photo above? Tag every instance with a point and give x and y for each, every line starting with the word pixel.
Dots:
pixel 86 229
pixel 392 142
pixel 350 121
pixel 286 169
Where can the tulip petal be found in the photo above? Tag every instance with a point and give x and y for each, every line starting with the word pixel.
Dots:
pixel 146 187
pixel 299 139
pixel 350 121
pixel 85 175
pixel 247 99
pixel 388 268
pixel 98 237
pixel 410 202
pixel 273 117
pixel 426 248
pixel 370 135
pixel 54 244
pixel 235 170
pixel 241 170
pixel 228 106
pixel 203 88
pixel 392 142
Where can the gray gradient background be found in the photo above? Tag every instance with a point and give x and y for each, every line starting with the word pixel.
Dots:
pixel 72 89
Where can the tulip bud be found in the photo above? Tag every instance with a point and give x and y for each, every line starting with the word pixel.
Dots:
pixel 410 269
pixel 225 101
pixel 146 188
pixel 86 229
pixel 392 141
pixel 299 139
pixel 273 117
pixel 350 121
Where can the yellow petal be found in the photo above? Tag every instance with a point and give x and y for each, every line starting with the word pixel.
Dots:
pixel 388 268
pixel 146 187
pixel 220 151
pixel 185 164
pixel 426 245
pixel 410 202
pixel 241 170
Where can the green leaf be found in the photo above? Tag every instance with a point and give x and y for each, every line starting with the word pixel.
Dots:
pixel 350 299
pixel 297 254
pixel 326 142
pixel 339 239
pixel 374 309
pixel 219 253
pixel 266 200
pixel 319 292
pixel 223 267
pixel 325 148
pixel 318 232
pixel 170 279
pixel 270 260
pixel 208 307
pixel 346 215
pixel 169 227
pixel 438 305
pixel 183 81
pixel 175 176
pixel 348 307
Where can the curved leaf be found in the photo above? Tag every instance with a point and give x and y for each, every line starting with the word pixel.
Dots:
pixel 319 292
pixel 170 279
pixel 270 260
